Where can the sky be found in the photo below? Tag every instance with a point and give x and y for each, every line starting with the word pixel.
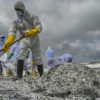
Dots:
pixel 69 26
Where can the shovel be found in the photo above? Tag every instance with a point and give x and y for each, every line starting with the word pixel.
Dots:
pixel 14 42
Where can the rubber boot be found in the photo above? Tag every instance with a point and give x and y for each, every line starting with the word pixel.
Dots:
pixel 0 68
pixel 40 69
pixel 20 67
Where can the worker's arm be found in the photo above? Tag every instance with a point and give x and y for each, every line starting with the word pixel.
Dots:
pixel 11 36
pixel 8 42
pixel 36 29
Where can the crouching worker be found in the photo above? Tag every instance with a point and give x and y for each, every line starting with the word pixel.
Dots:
pixel 65 58
pixel 4 62
pixel 8 61
pixel 11 56
pixel 29 26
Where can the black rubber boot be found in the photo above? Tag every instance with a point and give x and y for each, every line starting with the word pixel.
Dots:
pixel 0 68
pixel 20 67
pixel 40 69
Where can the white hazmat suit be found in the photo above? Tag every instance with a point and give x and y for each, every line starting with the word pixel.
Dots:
pixel 24 22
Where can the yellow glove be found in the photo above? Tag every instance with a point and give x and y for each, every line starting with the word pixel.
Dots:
pixel 32 32
pixel 8 42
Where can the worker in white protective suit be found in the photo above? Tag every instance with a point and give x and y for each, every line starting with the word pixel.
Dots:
pixel 11 57
pixel 8 61
pixel 4 61
pixel 49 55
pixel 2 40
pixel 27 25
pixel 65 58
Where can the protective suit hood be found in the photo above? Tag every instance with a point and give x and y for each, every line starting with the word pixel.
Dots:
pixel 19 5
pixel 21 10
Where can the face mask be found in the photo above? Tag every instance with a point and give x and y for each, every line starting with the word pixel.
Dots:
pixel 20 13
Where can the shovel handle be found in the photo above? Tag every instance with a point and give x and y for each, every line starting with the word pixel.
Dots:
pixel 14 42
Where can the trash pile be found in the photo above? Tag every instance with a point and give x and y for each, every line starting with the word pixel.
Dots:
pixel 65 82
pixel 69 81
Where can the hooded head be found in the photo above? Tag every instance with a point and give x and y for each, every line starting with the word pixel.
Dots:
pixel 19 5
pixel 20 8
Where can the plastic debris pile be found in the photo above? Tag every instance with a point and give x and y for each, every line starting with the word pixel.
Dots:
pixel 64 82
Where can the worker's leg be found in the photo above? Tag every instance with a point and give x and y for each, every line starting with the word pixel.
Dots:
pixel 0 68
pixel 20 66
pixel 21 57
